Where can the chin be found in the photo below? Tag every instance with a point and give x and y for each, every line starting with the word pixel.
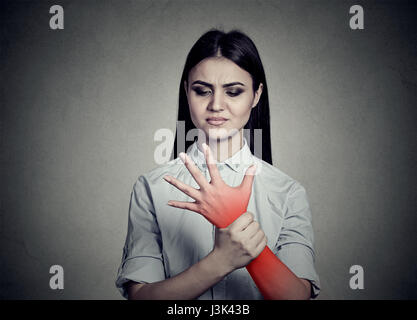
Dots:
pixel 220 133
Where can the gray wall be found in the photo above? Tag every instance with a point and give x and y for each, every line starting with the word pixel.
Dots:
pixel 80 106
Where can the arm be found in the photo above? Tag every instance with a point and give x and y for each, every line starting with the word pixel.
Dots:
pixel 295 244
pixel 194 281
pixel 235 246
pixel 273 278
pixel 189 284
pixel 272 275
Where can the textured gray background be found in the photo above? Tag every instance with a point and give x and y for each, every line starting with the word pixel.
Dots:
pixel 79 108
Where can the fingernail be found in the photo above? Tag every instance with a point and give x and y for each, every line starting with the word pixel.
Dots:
pixel 252 169
pixel 182 156
pixel 204 146
pixel 166 178
pixel 169 203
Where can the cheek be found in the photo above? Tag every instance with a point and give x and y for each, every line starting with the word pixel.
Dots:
pixel 241 109
pixel 196 110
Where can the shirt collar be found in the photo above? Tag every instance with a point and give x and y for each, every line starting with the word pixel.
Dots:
pixel 239 162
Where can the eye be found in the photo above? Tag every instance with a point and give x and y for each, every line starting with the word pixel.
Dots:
pixel 234 93
pixel 199 91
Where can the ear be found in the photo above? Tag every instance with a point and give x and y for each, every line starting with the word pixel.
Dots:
pixel 257 95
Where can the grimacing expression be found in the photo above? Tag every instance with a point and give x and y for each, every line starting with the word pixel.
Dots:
pixel 220 96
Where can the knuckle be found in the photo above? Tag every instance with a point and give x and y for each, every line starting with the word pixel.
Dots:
pixel 246 246
pixel 211 197
pixel 241 242
pixel 249 217
pixel 203 210
pixel 233 237
pixel 225 232
pixel 222 231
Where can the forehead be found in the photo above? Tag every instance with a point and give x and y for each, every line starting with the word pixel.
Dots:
pixel 219 70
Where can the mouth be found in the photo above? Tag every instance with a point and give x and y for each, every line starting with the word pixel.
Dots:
pixel 216 121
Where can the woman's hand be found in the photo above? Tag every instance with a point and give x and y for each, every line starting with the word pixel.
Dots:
pixel 238 244
pixel 215 200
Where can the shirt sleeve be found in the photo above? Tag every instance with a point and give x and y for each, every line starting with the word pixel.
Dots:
pixel 295 245
pixel 142 259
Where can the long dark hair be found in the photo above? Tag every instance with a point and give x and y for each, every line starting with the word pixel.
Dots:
pixel 239 48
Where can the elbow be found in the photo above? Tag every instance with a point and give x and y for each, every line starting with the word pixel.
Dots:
pixel 305 294
pixel 134 290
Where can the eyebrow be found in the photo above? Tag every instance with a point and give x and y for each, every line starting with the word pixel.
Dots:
pixel 211 86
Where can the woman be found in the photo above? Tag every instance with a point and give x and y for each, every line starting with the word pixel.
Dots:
pixel 195 222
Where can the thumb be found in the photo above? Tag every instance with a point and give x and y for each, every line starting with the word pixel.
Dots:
pixel 248 179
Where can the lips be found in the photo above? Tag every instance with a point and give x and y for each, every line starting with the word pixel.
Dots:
pixel 216 121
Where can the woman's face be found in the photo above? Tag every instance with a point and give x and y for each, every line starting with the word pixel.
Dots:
pixel 220 96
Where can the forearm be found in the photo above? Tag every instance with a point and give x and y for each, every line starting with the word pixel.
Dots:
pixel 275 280
pixel 189 284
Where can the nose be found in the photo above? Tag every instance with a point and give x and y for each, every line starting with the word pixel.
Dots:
pixel 217 102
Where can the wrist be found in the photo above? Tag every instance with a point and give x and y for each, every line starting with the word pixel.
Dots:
pixel 218 264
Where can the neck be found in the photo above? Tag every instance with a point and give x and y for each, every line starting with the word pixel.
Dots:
pixel 225 148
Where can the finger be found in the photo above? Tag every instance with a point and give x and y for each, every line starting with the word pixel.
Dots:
pixel 258 237
pixel 188 190
pixel 251 230
pixel 248 178
pixel 242 222
pixel 261 246
pixel 192 206
pixel 211 164
pixel 195 172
